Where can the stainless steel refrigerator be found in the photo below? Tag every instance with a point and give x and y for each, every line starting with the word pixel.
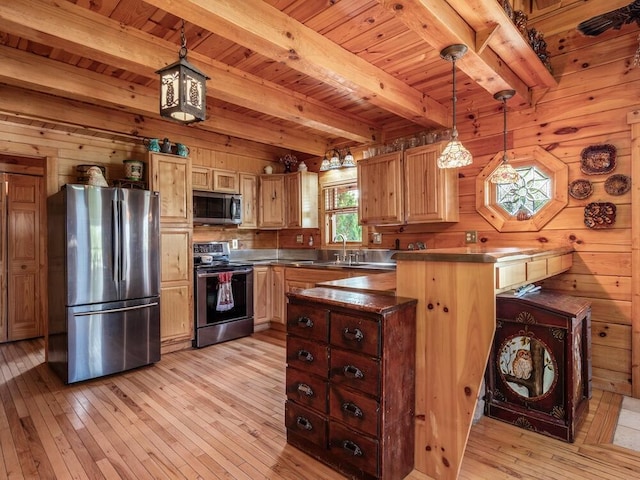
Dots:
pixel 104 284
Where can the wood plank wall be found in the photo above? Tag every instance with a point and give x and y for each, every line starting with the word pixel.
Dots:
pixel 598 88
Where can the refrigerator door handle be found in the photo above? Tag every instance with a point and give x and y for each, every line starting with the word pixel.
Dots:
pixel 115 241
pixel 115 310
pixel 121 227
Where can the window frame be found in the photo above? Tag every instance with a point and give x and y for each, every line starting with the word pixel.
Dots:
pixel 344 180
pixel 493 213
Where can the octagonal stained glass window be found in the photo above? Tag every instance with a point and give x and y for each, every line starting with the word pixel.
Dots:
pixel 532 192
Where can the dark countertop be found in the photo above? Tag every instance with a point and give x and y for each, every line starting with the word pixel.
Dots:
pixel 366 302
pixel 383 283
pixel 480 254
pixel 324 265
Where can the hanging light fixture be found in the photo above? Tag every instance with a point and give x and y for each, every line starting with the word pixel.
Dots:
pixel 335 160
pixel 326 164
pixel 183 89
pixel 338 160
pixel 454 154
pixel 505 173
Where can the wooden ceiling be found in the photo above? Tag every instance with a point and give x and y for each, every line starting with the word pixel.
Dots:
pixel 298 74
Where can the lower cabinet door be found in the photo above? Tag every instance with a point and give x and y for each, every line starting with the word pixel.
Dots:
pixel 304 423
pixel 353 448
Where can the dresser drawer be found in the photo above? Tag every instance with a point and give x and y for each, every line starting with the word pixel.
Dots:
pixel 307 390
pixel 348 446
pixel 312 357
pixel 308 322
pixel 355 409
pixel 356 371
pixel 355 333
pixel 305 424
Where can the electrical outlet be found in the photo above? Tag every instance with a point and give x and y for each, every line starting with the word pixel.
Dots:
pixel 299 238
pixel 471 236
pixel 377 238
pixel 234 243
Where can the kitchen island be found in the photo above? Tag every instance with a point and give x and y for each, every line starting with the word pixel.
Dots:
pixel 456 292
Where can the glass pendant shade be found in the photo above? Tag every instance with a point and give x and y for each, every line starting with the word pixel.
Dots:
pixel 325 165
pixel 335 160
pixel 454 154
pixel 183 89
pixel 505 173
pixel 348 160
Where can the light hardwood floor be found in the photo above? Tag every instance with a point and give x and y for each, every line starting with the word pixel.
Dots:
pixel 218 413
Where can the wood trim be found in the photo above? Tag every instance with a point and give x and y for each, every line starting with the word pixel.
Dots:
pixel 634 119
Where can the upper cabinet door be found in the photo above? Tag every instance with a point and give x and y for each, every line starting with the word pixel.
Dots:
pixel 272 201
pixel 225 181
pixel 249 192
pixel 431 193
pixel 171 176
pixel 381 191
pixel 201 178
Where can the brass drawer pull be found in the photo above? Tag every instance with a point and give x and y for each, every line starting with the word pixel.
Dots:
pixel 351 371
pixel 355 335
pixel 303 423
pixel 305 389
pixel 305 322
pixel 305 356
pixel 352 409
pixel 352 448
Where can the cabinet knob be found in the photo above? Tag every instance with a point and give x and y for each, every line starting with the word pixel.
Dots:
pixel 352 409
pixel 353 335
pixel 303 423
pixel 305 356
pixel 305 389
pixel 352 448
pixel 305 322
pixel 351 371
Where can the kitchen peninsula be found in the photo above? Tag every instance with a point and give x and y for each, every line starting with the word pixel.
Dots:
pixel 456 310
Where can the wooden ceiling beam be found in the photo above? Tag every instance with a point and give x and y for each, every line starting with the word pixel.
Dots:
pixel 440 26
pixel 25 70
pixel 272 33
pixel 82 32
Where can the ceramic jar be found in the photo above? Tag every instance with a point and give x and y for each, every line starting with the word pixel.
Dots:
pixel 133 169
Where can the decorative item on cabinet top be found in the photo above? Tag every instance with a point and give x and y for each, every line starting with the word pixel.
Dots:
pixel 289 161
pixel 165 146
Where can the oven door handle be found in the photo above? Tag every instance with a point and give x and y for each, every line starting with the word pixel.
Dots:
pixel 216 273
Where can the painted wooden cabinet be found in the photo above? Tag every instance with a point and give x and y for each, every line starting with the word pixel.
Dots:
pixel 271 201
pixel 350 381
pixel 407 187
pixel 171 176
pixel 302 199
pixel 249 192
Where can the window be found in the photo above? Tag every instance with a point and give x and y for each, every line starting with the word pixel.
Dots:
pixel 341 212
pixel 531 203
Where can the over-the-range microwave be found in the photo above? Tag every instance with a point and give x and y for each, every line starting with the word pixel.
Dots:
pixel 211 208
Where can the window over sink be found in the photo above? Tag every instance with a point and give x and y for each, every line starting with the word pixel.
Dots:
pixel 341 212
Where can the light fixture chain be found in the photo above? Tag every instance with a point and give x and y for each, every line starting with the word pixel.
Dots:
pixel 183 42
pixel 504 107
pixel 455 99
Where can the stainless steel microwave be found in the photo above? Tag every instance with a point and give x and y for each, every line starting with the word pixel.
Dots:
pixel 211 208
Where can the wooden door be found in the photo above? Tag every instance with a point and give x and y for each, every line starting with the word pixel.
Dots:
pixel 431 193
pixel 171 176
pixel 23 206
pixel 272 205
pixel 381 190
pixel 249 192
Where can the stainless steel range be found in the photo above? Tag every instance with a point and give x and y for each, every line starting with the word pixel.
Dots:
pixel 223 295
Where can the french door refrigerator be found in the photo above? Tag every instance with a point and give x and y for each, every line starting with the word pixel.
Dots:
pixel 104 284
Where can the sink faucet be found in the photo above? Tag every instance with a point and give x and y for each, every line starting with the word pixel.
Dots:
pixel 344 246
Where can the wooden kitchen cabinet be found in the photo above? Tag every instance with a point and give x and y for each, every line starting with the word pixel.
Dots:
pixel 407 187
pixel 302 199
pixel 350 381
pixel 249 192
pixel 278 299
pixel 171 176
pixel 430 193
pixel 380 189
pixel 262 298
pixel 271 201
pixel 215 180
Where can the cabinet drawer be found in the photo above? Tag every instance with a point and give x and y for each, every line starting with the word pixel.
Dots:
pixel 536 270
pixel 308 323
pixel 355 371
pixel 307 389
pixel 353 448
pixel 355 333
pixel 306 424
pixel 560 263
pixel 511 275
pixel 355 409
pixel 309 356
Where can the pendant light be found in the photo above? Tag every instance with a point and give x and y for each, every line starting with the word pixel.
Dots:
pixel 454 154
pixel 505 173
pixel 183 89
